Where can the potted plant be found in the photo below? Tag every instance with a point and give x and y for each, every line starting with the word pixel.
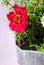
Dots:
pixel 27 21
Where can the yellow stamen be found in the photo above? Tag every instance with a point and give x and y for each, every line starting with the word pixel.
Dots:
pixel 17 18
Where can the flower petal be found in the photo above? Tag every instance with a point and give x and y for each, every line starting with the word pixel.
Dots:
pixel 10 16
pixel 17 27
pixel 24 10
pixel 21 26
pixel 13 26
pixel 24 17
pixel 17 9
pixel 25 22
pixel 20 10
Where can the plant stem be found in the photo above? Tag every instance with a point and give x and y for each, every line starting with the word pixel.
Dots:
pixel 25 3
pixel 21 3
pixel 15 1
pixel 19 40
pixel 10 4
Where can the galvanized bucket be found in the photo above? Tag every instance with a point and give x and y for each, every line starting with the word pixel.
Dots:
pixel 27 57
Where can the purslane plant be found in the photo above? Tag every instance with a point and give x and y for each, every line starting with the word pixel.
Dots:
pixel 26 22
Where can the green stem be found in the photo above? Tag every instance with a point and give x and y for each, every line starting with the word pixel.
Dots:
pixel 10 4
pixel 25 3
pixel 21 3
pixel 19 40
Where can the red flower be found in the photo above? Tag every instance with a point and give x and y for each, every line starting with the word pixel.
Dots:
pixel 20 10
pixel 18 20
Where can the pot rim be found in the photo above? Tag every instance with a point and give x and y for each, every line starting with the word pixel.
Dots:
pixel 29 50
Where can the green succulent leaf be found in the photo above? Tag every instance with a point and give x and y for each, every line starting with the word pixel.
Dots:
pixel 5 2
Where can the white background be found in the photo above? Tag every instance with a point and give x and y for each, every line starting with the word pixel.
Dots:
pixel 7 41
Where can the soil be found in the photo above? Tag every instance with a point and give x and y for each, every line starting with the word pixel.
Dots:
pixel 25 46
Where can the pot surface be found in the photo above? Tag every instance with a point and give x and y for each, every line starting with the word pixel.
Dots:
pixel 26 57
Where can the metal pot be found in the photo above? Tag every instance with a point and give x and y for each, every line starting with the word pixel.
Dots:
pixel 28 57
